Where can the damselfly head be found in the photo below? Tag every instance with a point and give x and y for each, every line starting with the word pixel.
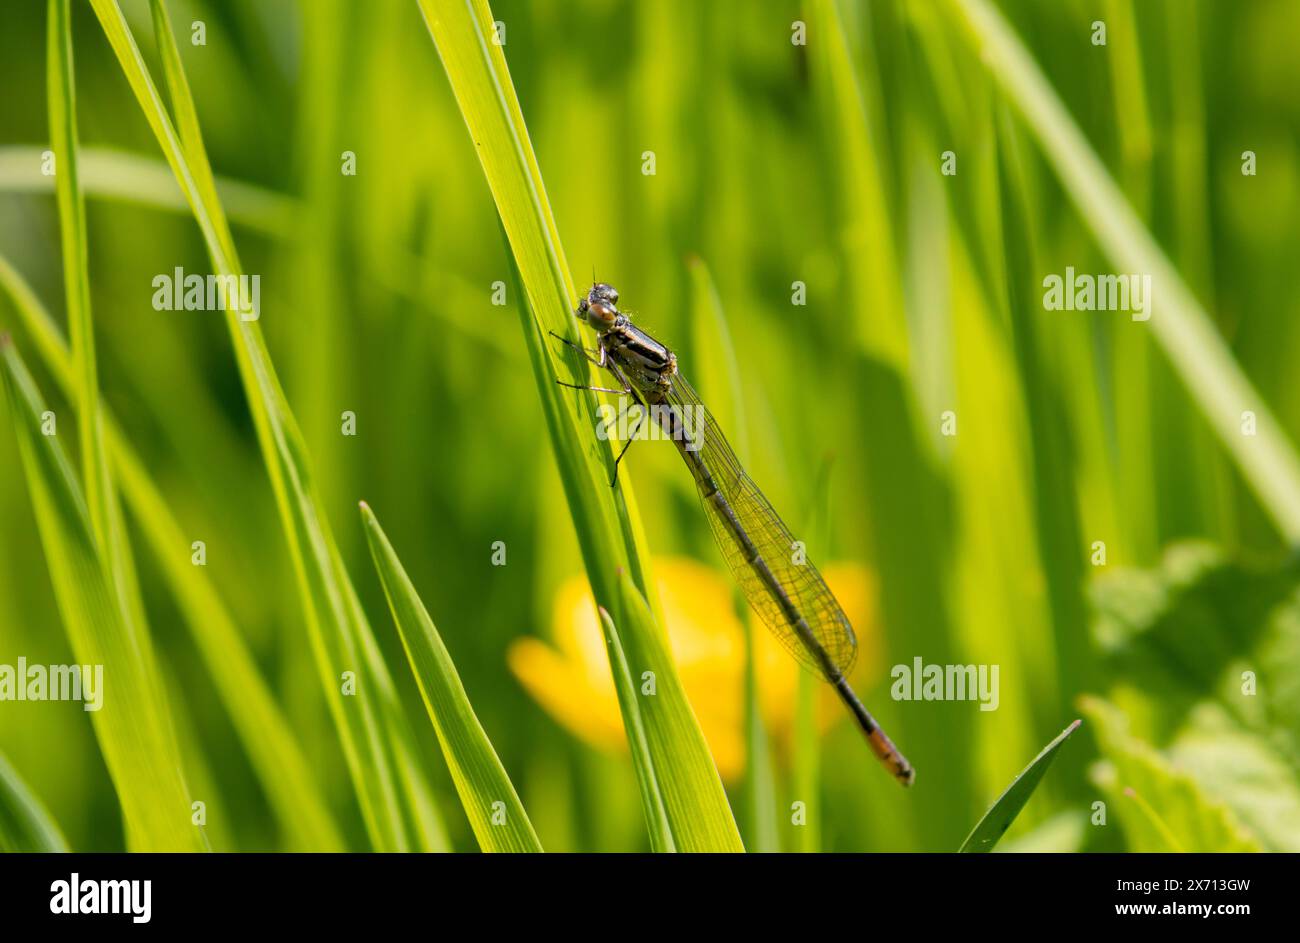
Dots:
pixel 599 308
pixel 604 292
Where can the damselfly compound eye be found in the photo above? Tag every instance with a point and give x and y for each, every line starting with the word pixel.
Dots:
pixel 600 315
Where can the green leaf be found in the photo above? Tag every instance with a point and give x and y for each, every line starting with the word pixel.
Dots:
pixel 652 800
pixel 605 518
pixel 1162 807
pixel 133 725
pixel 1204 651
pixel 1185 632
pixel 25 825
pixel 1244 770
pixel 395 799
pixel 481 781
pixel 1178 322
pixel 995 822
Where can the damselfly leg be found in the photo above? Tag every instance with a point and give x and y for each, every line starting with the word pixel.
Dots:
pixel 631 437
pixel 589 354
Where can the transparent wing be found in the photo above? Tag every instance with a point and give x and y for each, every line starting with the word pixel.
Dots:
pixel 779 574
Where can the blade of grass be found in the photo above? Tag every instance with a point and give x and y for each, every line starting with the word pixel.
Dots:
pixel 1197 352
pixel 652 800
pixel 395 799
pixel 25 825
pixel 72 229
pixel 272 747
pixel 692 793
pixel 995 822
pixel 484 788
pixel 111 174
pixel 1056 516
pixel 718 376
pixel 107 529
pixel 133 727
pixel 805 780
pixel 605 518
pixel 481 84
pixel 101 499
pixel 867 235
pixel 1132 118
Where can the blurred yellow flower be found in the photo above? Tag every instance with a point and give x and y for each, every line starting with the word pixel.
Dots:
pixel 572 682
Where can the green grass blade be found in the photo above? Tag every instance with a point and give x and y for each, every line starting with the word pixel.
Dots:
pixel 376 738
pixel 693 798
pixel 271 744
pixel 989 829
pixel 395 799
pixel 133 726
pixel 605 518
pixel 72 229
pixel 25 825
pixel 866 232
pixel 110 174
pixel 1180 324
pixel 652 800
pixel 489 798
pixel 717 376
pixel 101 498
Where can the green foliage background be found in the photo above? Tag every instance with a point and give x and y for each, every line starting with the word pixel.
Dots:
pixel 775 163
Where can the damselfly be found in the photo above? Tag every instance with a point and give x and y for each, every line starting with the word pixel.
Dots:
pixel 782 586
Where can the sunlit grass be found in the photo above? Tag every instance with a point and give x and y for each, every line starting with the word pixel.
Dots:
pixel 832 293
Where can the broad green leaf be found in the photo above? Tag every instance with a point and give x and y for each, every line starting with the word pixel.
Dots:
pixel 995 822
pixel 1204 651
pixel 25 825
pixel 1162 807
pixel 395 799
pixel 1178 322
pixel 481 781
pixel 605 517
pixel 1189 630
pixel 652 800
pixel 1245 770
pixel 132 725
